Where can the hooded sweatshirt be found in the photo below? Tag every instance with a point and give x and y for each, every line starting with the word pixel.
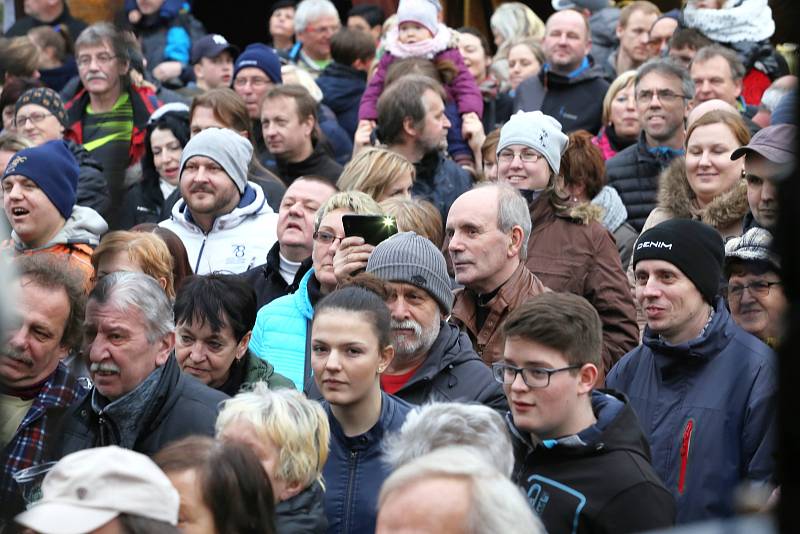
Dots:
pixel 237 240
pixel 598 480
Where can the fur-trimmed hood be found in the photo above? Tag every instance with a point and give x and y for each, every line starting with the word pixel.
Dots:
pixel 675 196
pixel 584 213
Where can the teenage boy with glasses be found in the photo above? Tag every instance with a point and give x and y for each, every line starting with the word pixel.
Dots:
pixel 580 455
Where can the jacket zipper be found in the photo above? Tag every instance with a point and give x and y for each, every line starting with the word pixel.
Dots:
pixel 685 446
pixel 200 254
pixel 348 504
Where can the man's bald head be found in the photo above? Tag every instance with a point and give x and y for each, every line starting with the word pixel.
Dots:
pixel 709 105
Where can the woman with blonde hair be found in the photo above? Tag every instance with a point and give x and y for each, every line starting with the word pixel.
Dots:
pixel 378 172
pixel 134 252
pixel 621 126
pixel 509 21
pixel 525 60
pixel 290 434
pixel 416 215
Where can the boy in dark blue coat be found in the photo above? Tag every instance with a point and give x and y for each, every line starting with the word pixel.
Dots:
pixel 345 79
pixel 580 456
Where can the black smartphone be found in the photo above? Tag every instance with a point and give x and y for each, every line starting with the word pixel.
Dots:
pixel 373 228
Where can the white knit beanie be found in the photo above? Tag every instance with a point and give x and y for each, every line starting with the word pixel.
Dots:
pixel 538 131
pixel 423 12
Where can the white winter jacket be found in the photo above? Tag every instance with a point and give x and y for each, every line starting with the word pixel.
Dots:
pixel 237 241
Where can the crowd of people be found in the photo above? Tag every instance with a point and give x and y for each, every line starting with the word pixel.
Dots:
pixel 572 329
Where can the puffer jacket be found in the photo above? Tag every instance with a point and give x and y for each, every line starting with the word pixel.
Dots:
pixel 604 37
pixel 633 172
pixel 488 343
pixel 93 189
pixel 676 200
pixel 440 181
pixel 573 100
pixel 237 241
pixel 77 239
pixel 342 87
pixel 453 372
pixel 572 252
pixel 708 409
pixel 279 334
pixel 355 469
pixel 266 279
pixel 178 406
pixel 598 480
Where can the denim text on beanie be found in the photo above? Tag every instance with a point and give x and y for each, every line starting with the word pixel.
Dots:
pixel 259 56
pixel 693 247
pixel 423 12
pixel 230 150
pixel 53 168
pixel 538 131
pixel 413 259
pixel 45 97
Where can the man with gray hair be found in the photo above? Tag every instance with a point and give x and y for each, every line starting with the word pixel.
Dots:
pixel 451 490
pixel 487 231
pixel 140 400
pixel 433 360
pixel 662 90
pixel 315 23
pixel 113 132
pixel 223 220
pixel 447 424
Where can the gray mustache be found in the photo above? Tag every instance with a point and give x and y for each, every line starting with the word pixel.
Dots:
pixel 103 367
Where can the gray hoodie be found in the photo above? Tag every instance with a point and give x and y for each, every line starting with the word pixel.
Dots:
pixel 84 226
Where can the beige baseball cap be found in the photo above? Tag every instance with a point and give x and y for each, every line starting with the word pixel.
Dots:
pixel 89 488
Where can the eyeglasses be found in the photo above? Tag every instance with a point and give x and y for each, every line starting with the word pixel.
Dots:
pixel 534 377
pixel 326 238
pixel 36 117
pixel 758 288
pixel 321 30
pixel 664 95
pixel 526 156
pixel 257 82
pixel 102 59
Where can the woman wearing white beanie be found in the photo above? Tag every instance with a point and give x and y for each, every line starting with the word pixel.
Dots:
pixel 569 249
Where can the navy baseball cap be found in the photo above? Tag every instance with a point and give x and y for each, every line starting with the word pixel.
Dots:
pixel 211 46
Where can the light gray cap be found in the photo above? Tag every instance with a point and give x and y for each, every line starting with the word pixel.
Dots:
pixel 230 150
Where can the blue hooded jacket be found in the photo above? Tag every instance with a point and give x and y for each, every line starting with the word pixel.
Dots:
pixel 708 409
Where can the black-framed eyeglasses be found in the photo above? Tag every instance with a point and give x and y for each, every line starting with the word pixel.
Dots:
pixel 664 95
pixel 326 238
pixel 757 287
pixel 534 377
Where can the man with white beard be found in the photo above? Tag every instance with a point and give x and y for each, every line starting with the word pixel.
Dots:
pixel 433 359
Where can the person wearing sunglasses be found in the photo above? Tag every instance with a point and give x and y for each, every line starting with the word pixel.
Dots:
pixel 569 437
pixel 755 291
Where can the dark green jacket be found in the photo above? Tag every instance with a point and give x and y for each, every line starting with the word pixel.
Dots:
pixel 250 370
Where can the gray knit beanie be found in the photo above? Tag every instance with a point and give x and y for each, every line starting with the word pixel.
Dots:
pixel 538 131
pixel 413 259
pixel 230 150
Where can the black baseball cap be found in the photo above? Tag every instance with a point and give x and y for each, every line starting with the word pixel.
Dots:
pixel 211 46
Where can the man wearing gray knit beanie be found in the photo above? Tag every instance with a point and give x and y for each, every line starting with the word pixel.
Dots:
pixel 433 359
pixel 223 220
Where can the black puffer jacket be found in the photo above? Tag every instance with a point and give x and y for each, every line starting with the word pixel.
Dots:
pixel 440 181
pixel 633 172
pixel 180 406
pixel 453 372
pixel 93 189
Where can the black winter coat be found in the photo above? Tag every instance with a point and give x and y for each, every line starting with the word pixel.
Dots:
pixel 93 191
pixel 180 406
pixel 342 87
pixel 599 481
pixel 633 172
pixel 577 102
pixel 440 181
pixel 266 279
pixel 453 372
pixel 302 514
